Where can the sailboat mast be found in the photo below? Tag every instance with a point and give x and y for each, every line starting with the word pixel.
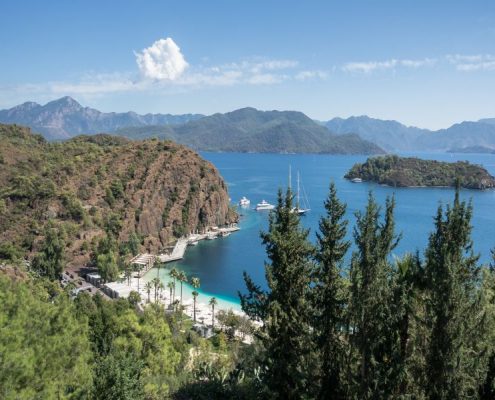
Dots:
pixel 297 203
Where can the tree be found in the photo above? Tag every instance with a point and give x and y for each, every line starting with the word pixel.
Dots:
pixel 138 269
pixel 128 275
pixel 107 266
pixel 147 286
pixel 453 278
pixel 370 311
pixel 285 308
pixel 195 284
pixel 49 262
pixel 213 303
pixel 173 274
pixel 171 286
pixel 44 347
pixel 182 277
pixel 330 296
pixel 155 282
pixel 118 377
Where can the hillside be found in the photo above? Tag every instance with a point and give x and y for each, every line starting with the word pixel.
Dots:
pixel 409 172
pixel 394 136
pixel 65 118
pixel 89 185
pixel 251 130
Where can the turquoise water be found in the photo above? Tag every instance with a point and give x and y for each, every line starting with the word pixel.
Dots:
pixel 219 263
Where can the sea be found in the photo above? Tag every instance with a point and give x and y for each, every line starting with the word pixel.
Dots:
pixel 220 263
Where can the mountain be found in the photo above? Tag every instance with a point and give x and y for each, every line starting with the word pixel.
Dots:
pixel 394 136
pixel 391 135
pixel 251 130
pixel 157 190
pixel 65 118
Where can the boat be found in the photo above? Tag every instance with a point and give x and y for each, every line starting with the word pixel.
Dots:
pixel 264 205
pixel 300 208
pixel 211 236
pixel 356 180
pixel 224 233
pixel 244 202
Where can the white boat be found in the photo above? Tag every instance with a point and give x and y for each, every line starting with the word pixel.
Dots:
pixel 301 208
pixel 356 180
pixel 211 236
pixel 244 202
pixel 264 205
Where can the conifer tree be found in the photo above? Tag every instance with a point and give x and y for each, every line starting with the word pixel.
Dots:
pixel 370 321
pixel 453 277
pixel 285 307
pixel 330 296
pixel 49 262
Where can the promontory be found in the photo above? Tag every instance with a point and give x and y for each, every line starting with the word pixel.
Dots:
pixel 144 193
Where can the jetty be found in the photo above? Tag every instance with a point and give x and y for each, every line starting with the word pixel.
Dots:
pixel 180 246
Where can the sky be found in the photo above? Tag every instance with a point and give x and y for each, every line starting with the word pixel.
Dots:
pixel 424 63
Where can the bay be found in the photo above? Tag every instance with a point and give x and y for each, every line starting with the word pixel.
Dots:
pixel 219 264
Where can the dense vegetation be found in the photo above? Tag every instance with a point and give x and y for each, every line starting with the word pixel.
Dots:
pixel 251 130
pixel 405 172
pixel 377 328
pixel 100 196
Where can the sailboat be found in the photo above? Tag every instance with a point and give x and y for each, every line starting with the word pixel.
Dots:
pixel 300 208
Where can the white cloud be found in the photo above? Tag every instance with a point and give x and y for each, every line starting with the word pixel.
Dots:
pixel 475 62
pixel 162 67
pixel 367 67
pixel 163 60
pixel 307 75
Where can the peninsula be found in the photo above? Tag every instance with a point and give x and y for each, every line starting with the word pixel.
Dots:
pixel 398 171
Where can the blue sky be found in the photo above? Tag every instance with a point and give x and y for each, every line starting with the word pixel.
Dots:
pixel 424 63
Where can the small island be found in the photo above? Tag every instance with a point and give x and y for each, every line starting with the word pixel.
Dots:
pixel 398 171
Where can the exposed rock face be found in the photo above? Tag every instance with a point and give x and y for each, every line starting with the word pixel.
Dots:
pixel 88 185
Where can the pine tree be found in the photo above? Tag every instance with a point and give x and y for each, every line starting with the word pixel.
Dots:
pixel 49 262
pixel 330 296
pixel 453 278
pixel 370 318
pixel 284 308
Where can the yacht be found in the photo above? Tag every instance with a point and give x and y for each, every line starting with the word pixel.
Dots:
pixel 244 202
pixel 264 205
pixel 356 180
pixel 300 208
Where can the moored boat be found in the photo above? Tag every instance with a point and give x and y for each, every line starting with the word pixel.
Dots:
pixel 264 205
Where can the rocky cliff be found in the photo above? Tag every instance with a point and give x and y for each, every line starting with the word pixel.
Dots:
pixel 90 185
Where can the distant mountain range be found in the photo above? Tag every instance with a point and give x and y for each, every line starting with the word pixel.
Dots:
pixel 244 130
pixel 65 118
pixel 394 136
pixel 251 130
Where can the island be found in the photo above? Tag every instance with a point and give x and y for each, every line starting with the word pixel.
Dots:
pixel 472 150
pixel 398 171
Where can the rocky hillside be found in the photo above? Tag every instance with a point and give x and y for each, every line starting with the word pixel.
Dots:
pixel 154 190
pixel 65 117
pixel 412 172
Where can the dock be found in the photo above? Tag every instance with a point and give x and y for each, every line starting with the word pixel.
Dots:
pixel 182 243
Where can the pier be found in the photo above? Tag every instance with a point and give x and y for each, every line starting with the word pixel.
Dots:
pixel 181 245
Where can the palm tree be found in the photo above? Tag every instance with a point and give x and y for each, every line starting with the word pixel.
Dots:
pixel 182 278
pixel 147 286
pixel 195 283
pixel 170 285
pixel 161 287
pixel 173 274
pixel 213 303
pixel 159 265
pixel 155 282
